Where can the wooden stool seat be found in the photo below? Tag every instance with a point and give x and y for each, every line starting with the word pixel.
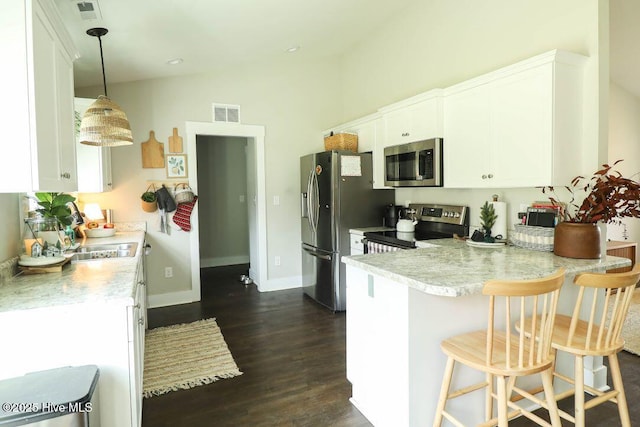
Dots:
pixel 504 354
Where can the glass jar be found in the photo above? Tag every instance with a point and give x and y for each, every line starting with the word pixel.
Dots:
pixel 45 231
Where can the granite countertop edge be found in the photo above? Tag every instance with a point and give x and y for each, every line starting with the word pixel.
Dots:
pixel 108 281
pixel 454 269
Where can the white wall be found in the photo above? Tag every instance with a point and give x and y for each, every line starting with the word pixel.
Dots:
pixel 624 143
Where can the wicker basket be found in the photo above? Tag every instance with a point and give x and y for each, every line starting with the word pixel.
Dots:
pixel 341 141
pixel 149 206
pixel 183 193
pixel 531 237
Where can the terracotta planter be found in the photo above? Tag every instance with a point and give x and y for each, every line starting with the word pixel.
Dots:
pixel 577 240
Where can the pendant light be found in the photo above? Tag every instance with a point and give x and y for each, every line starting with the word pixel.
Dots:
pixel 104 123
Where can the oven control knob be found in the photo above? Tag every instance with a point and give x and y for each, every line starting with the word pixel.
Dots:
pixel 446 214
pixel 457 215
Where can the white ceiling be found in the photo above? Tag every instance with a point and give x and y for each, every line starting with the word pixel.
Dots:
pixel 207 34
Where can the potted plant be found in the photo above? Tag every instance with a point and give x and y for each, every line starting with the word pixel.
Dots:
pixel 149 200
pixel 53 216
pixel 608 197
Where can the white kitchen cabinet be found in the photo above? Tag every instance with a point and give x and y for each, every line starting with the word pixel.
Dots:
pixel 94 163
pixel 109 334
pixel 414 119
pixel 37 85
pixel 136 321
pixel 520 126
pixel 370 132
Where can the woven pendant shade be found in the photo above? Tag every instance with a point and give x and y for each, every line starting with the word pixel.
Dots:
pixel 105 124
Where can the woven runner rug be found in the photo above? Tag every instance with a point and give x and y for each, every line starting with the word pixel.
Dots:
pixel 631 330
pixel 185 356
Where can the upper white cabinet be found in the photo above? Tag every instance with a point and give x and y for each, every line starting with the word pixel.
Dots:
pixel 370 131
pixel 37 87
pixel 413 119
pixel 94 163
pixel 520 126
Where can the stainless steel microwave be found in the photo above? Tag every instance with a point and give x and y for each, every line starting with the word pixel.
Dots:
pixel 416 164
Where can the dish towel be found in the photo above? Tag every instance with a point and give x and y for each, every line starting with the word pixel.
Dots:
pixel 182 217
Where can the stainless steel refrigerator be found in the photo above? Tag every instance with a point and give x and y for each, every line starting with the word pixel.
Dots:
pixel 336 195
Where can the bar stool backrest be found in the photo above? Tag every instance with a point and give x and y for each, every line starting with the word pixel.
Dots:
pixel 600 311
pixel 536 300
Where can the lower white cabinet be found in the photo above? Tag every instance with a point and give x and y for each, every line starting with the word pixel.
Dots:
pixel 356 246
pixel 107 334
pixel 137 322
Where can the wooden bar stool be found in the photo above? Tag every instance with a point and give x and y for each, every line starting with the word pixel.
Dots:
pixel 504 354
pixel 603 299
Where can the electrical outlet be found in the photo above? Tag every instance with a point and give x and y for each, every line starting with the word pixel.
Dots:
pixel 168 272
pixel 276 260
pixel 276 200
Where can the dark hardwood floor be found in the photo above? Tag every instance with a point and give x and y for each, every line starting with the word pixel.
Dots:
pixel 292 355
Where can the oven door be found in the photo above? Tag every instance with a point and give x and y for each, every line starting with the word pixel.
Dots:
pixel 418 164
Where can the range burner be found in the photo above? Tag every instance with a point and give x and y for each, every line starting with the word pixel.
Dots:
pixel 434 222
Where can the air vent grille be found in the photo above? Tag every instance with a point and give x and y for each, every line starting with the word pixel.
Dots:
pixel 88 9
pixel 226 113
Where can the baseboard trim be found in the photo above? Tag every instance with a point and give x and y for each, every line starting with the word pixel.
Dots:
pixel 221 261
pixel 280 284
pixel 171 298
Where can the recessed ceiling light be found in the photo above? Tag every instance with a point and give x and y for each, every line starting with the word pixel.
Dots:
pixel 293 49
pixel 174 61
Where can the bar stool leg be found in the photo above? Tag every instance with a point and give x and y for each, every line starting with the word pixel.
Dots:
pixel 549 394
pixel 444 391
pixel 489 398
pixel 616 376
pixel 579 396
pixel 503 419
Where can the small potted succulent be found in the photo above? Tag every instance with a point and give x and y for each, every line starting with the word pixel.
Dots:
pixel 609 197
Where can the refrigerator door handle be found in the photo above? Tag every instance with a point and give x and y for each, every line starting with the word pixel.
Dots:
pixel 315 201
pixel 309 200
pixel 316 254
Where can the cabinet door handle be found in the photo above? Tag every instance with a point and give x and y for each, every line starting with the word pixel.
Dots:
pixel 405 134
pixel 65 175
pixel 141 283
pixel 484 176
pixel 490 175
pixel 141 321
pixel 137 306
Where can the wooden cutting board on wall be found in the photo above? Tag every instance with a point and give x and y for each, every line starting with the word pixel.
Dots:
pixel 152 152
pixel 175 142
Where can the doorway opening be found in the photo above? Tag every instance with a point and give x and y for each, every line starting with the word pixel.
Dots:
pixel 251 136
pixel 224 216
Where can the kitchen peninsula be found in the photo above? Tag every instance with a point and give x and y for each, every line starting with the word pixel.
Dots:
pixel 91 312
pixel 401 305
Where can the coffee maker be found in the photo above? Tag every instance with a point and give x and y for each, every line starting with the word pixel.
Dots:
pixel 391 215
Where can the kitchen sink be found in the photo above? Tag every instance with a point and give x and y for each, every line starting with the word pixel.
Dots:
pixel 109 250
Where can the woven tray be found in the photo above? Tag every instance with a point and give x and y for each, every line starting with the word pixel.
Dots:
pixel 341 141
pixel 531 237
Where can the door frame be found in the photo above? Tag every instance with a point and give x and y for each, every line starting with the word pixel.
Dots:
pixel 257 229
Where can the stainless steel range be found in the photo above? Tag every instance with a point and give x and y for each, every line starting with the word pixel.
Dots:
pixel 433 222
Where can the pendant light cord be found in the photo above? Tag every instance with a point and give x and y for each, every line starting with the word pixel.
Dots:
pixel 104 78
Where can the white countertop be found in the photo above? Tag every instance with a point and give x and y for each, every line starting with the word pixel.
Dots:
pixel 93 281
pixel 456 269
